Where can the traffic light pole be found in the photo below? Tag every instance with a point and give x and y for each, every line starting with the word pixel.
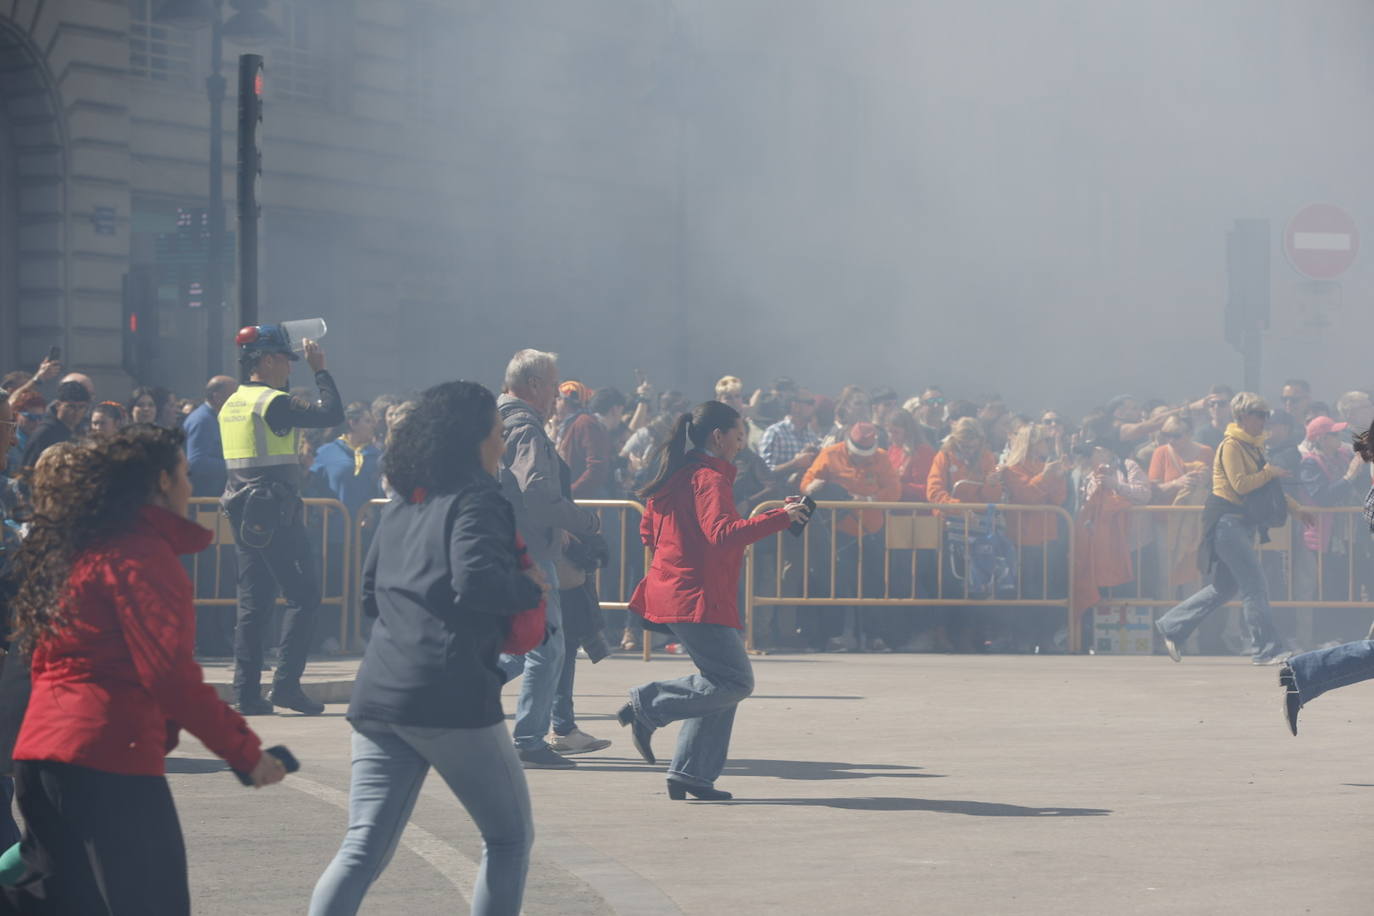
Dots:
pixel 249 168
pixel 214 268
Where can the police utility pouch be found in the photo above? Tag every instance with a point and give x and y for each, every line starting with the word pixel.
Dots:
pixel 263 513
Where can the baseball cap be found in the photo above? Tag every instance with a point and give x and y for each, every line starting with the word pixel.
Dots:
pixel 1320 426
pixel 862 439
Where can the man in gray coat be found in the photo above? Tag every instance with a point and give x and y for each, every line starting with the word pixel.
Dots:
pixel 531 480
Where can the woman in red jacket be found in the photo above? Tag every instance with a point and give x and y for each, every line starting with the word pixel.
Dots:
pixel 107 610
pixel 698 541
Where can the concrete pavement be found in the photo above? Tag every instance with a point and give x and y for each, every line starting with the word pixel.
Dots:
pixel 874 784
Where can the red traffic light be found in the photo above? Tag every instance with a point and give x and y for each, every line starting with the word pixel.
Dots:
pixel 257 84
pixel 133 322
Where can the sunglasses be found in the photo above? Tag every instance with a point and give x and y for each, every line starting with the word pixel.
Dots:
pixel 934 402
pixel 1212 404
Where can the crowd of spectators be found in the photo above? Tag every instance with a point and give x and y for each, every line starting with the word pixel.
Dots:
pixel 873 445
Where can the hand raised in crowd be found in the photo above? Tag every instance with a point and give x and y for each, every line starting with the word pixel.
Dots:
pixel 314 356
pixel 268 771
pixel 48 370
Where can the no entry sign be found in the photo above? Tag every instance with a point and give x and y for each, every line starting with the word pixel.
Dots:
pixel 1321 241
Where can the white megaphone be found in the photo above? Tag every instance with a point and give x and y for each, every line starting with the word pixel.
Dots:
pixel 303 329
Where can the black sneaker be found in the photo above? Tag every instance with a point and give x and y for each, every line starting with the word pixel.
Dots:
pixel 1292 702
pixel 544 758
pixel 640 733
pixel 254 706
pixel 294 697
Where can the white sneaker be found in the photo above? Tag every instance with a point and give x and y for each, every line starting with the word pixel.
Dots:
pixel 577 742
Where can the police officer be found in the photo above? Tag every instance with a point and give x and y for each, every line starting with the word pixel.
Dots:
pixel 259 426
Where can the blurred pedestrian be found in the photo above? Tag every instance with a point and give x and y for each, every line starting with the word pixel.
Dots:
pixel 107 611
pixel 204 448
pixel 60 424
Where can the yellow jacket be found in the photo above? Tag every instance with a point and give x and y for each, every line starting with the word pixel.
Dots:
pixel 1236 471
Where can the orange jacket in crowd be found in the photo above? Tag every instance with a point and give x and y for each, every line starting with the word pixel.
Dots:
pixel 913 470
pixel 1028 484
pixel 1102 558
pixel 876 480
pixel 948 469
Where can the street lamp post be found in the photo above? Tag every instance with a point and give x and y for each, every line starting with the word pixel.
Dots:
pixel 214 274
pixel 248 24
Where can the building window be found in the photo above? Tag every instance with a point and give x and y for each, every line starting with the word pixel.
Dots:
pixel 157 52
pixel 296 68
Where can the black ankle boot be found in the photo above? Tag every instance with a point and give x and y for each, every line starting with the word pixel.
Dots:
pixel 679 790
pixel 291 696
pixel 639 732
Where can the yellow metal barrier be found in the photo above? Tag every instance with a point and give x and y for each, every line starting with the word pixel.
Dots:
pixel 916 534
pixel 1164 551
pixel 212 570
pixel 615 584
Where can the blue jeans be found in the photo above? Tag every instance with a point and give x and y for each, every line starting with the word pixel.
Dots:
pixel 706 701
pixel 542 667
pixel 562 717
pixel 390 763
pixel 1238 570
pixel 1327 669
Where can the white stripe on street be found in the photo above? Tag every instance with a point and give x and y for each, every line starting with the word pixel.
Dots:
pixel 1322 241
pixel 458 869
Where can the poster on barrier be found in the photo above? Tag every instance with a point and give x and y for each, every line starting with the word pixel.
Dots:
pixel 1123 629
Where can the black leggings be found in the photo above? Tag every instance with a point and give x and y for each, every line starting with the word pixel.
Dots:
pixel 97 844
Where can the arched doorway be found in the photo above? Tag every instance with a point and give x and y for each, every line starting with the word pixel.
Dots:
pixel 32 202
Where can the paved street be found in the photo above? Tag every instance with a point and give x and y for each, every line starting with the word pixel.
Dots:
pixel 873 784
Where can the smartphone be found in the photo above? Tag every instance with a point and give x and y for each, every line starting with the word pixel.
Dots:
pixel 54 353
pixel 288 760
pixel 797 526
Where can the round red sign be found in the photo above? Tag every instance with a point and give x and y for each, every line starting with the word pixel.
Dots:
pixel 1321 241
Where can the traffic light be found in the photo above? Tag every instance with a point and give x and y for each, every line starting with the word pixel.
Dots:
pixel 249 171
pixel 140 327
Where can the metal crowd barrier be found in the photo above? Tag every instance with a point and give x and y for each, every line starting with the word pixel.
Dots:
pixel 917 554
pixel 1164 550
pixel 214 570
pixel 615 584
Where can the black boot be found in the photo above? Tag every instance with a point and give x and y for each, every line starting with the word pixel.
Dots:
pixel 679 790
pixel 291 696
pixel 640 732
pixel 252 704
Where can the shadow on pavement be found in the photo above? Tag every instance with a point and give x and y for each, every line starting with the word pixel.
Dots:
pixel 183 765
pixel 778 769
pixel 937 805
pixel 822 769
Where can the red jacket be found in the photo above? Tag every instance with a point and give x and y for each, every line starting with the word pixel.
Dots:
pixel 586 448
pixel 698 541
pixel 115 686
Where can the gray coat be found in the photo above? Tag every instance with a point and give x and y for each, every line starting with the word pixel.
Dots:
pixel 530 479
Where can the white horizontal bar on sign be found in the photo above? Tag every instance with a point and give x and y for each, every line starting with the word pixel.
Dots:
pixel 1322 241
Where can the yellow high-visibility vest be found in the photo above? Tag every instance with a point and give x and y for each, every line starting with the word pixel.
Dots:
pixel 248 441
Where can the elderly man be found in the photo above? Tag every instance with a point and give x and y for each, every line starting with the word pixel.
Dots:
pixel 531 480
pixel 204 448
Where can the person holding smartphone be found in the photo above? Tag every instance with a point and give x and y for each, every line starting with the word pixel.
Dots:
pixel 106 609
pixel 698 539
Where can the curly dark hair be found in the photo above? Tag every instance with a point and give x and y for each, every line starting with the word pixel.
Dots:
pixel 437 445
pixel 84 494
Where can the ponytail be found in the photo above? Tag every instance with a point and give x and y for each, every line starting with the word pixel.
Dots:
pixel 692 430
